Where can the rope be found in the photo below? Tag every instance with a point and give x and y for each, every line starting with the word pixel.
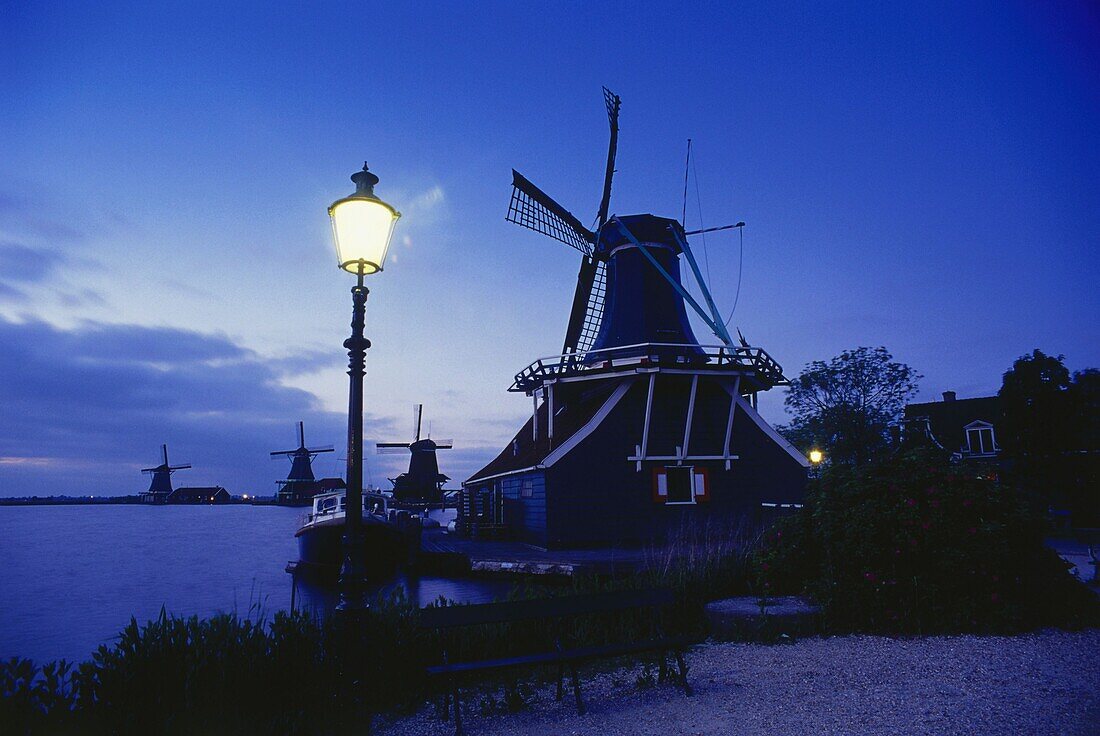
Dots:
pixel 699 206
pixel 740 270
pixel 687 164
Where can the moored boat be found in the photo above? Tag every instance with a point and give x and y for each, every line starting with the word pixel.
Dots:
pixel 390 537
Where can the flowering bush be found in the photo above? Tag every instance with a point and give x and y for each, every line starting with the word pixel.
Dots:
pixel 913 544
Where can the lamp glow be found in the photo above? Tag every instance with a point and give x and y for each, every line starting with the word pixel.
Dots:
pixel 816 456
pixel 362 225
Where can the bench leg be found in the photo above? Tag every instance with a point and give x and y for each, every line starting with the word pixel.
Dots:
pixel 576 689
pixel 443 707
pixel 457 706
pixel 683 672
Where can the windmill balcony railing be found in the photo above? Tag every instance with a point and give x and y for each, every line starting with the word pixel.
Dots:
pixel 719 358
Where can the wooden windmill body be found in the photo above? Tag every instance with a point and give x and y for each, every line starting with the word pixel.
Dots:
pixel 638 431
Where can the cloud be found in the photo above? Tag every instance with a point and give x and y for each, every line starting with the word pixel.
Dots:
pixel 11 294
pixel 19 212
pixel 422 211
pixel 84 409
pixel 23 264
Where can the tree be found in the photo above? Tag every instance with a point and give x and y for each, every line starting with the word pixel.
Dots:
pixel 1035 407
pixel 846 406
pixel 1050 433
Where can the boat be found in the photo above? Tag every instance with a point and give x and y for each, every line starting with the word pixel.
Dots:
pixel 391 537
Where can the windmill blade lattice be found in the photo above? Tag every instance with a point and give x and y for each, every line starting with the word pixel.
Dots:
pixel 593 313
pixel 532 208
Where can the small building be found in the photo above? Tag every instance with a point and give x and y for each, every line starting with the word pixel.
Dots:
pixel 198 494
pixel 964 428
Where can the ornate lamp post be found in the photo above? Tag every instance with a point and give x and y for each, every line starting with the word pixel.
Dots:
pixel 362 225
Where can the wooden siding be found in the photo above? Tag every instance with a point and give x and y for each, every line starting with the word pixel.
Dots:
pixel 595 496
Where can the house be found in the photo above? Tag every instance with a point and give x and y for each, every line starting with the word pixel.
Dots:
pixel 964 428
pixel 195 495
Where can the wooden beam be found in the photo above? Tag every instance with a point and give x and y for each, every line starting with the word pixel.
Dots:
pixel 729 422
pixel 550 413
pixel 648 411
pixel 535 416
pixel 691 412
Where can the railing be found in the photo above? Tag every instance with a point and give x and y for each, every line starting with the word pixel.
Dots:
pixel 655 354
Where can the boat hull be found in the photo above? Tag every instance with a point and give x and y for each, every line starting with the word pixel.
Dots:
pixel 384 547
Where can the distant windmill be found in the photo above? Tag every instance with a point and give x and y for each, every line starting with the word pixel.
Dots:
pixel 161 484
pixel 300 484
pixel 423 483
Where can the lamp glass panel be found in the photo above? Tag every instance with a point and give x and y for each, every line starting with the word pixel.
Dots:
pixel 362 230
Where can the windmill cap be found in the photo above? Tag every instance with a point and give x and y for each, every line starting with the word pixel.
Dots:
pixel 645 228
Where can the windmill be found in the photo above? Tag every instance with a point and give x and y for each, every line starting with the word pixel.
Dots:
pixel 300 484
pixel 161 484
pixel 423 483
pixel 641 428
pixel 532 208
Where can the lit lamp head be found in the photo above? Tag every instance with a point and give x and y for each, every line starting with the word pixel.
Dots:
pixel 362 225
pixel 816 456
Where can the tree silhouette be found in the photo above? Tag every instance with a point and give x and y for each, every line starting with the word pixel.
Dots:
pixel 845 406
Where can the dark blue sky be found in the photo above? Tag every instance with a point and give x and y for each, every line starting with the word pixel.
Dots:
pixel 919 176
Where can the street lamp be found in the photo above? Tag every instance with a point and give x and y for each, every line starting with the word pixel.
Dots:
pixel 362 225
pixel 816 456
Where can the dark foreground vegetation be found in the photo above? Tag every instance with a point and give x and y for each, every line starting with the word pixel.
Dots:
pixel 907 545
pixel 915 545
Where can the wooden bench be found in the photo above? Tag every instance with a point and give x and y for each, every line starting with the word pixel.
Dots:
pixel 557 651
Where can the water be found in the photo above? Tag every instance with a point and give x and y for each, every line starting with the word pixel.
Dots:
pixel 74 575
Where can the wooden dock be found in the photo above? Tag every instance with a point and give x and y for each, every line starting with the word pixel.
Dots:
pixel 449 553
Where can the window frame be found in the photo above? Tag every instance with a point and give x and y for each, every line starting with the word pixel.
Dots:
pixel 978 427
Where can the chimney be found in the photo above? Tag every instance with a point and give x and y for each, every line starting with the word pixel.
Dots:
pixel 948 395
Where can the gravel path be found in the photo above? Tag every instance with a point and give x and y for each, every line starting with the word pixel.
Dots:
pixel 1045 683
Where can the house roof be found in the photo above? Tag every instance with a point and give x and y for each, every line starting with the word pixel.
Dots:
pixel 197 491
pixel 947 419
pixel 572 412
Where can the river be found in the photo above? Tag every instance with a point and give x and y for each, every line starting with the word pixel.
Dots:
pixel 72 576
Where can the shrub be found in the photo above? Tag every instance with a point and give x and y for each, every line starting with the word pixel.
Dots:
pixel 916 545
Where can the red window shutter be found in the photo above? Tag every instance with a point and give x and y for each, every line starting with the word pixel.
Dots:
pixel 701 482
pixel 660 485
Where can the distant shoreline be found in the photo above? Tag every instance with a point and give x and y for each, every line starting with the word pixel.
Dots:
pixel 116 500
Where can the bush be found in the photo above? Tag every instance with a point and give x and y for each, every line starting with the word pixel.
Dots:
pixel 915 545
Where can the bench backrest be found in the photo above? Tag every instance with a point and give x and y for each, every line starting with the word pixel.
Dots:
pixel 446 617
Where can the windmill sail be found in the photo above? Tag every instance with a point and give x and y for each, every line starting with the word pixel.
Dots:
pixel 612 101
pixel 588 299
pixel 534 209
pixel 587 310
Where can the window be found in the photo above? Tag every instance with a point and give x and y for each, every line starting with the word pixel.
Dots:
pixel 679 485
pixel 979 438
pixel 527 489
